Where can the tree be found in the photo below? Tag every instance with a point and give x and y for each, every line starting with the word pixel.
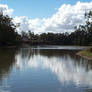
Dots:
pixel 8 34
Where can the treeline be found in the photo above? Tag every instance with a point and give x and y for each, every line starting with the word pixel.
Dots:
pixel 9 36
pixel 81 36
pixel 75 38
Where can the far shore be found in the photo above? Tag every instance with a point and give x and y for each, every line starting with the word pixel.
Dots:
pixel 87 53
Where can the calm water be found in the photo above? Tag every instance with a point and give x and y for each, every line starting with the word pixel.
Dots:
pixel 44 69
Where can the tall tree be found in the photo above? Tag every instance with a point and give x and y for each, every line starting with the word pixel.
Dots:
pixel 8 34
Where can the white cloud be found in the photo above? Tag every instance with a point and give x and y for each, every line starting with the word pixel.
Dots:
pixel 67 17
pixel 6 10
pixel 28 24
pixel 64 20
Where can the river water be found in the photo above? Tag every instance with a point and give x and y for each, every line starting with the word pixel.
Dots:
pixel 44 69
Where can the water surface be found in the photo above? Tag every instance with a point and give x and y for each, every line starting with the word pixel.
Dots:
pixel 44 69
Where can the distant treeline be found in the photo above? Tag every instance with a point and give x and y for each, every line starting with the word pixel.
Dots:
pixel 75 38
pixel 9 36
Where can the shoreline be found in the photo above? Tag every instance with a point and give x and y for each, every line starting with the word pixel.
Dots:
pixel 87 54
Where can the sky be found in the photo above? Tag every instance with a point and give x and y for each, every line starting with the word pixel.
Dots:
pixel 46 15
pixel 37 8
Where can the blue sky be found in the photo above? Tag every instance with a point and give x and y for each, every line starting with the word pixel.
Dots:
pixel 40 16
pixel 37 8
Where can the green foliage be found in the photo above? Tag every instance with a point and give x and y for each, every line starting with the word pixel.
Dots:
pixel 8 34
pixel 86 54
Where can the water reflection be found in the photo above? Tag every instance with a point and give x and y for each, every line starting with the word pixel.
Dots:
pixel 65 64
pixel 20 64
pixel 7 59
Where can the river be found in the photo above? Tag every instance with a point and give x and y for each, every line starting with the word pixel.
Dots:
pixel 44 69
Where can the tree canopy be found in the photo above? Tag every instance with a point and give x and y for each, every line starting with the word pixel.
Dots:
pixel 8 34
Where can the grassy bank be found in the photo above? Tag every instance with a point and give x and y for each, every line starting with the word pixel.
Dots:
pixel 86 54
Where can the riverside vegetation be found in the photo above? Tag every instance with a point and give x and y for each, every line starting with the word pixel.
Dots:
pixel 86 53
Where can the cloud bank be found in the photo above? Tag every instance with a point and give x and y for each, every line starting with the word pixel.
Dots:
pixel 6 10
pixel 64 20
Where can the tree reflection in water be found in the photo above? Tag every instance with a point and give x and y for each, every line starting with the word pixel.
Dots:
pixel 7 59
pixel 67 66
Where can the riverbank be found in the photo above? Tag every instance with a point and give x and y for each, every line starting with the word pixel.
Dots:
pixel 86 54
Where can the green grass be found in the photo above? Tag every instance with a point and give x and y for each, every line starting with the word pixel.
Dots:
pixel 86 53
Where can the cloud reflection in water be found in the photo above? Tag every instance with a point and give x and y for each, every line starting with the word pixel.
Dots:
pixel 64 66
